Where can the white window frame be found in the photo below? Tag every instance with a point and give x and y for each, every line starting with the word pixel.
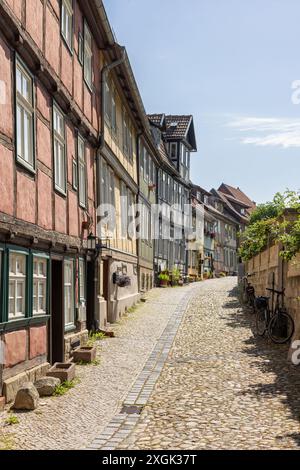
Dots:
pixel 40 278
pixel 82 172
pixel 25 111
pixel 17 278
pixel 82 280
pixel 69 288
pixel 124 209
pixel 108 102
pixel 59 143
pixel 88 56
pixel 172 146
pixel 66 24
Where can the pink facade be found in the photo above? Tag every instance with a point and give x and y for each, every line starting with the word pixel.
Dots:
pixel 35 217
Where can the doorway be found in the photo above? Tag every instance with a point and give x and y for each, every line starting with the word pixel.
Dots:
pixel 56 350
pixel 90 296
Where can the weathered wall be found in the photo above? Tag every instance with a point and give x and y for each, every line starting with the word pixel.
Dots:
pixel 269 264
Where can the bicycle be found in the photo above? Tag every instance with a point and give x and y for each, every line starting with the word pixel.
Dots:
pixel 276 321
pixel 248 293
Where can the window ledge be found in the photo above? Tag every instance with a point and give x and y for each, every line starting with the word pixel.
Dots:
pixel 60 191
pixel 30 168
pixel 69 48
pixel 89 86
pixel 70 328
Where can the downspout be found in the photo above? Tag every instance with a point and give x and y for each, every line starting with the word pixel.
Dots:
pixel 139 135
pixel 104 72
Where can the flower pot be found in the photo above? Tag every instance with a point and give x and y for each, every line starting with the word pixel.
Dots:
pixel 163 283
pixel 63 371
pixel 85 354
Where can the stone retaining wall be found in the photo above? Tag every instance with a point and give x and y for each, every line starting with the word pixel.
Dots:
pixel 269 265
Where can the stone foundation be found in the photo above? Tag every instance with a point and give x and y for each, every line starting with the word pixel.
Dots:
pixel 11 385
pixel 73 340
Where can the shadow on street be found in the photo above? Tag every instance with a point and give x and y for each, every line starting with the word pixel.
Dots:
pixel 287 375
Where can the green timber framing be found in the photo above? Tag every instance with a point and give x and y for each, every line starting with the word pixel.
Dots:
pixel 29 318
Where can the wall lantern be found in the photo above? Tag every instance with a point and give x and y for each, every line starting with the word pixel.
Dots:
pixel 91 242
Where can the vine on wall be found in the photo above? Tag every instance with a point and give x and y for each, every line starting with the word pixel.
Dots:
pixel 277 221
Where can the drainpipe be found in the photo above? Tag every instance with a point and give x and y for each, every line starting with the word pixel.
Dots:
pixel 139 135
pixel 104 73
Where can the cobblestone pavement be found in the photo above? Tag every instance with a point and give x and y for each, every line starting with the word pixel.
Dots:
pixel 75 419
pixel 221 387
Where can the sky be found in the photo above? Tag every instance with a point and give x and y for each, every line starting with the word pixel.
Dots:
pixel 232 64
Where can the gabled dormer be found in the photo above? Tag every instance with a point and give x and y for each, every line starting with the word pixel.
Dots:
pixel 181 141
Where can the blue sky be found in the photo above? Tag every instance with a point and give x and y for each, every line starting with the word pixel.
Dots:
pixel 231 64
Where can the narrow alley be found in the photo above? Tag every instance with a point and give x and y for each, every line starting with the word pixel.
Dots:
pixel 185 371
pixel 222 387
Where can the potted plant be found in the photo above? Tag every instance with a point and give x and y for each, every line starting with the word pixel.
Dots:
pixel 175 277
pixel 164 279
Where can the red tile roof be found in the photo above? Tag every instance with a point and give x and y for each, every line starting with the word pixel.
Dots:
pixel 156 119
pixel 236 195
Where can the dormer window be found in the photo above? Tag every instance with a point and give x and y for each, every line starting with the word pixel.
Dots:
pixel 173 150
pixel 174 124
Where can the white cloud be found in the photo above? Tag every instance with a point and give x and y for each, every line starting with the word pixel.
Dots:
pixel 280 132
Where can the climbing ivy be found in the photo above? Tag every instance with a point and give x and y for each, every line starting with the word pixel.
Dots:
pixel 272 223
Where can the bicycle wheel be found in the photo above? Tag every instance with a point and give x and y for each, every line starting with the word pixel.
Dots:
pixel 251 302
pixel 261 321
pixel 281 327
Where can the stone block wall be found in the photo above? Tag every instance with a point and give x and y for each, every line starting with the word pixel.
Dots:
pixel 269 265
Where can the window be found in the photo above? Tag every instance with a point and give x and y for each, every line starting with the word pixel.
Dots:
pixel 24 117
pixel 69 293
pixel 39 286
pixel 153 173
pixel 127 136
pixel 59 149
pixel 88 54
pixel 82 173
pixel 74 174
pixel 131 215
pixel 146 166
pixel 107 102
pixel 113 112
pixel 17 286
pixel 124 210
pixel 67 22
pixel 82 281
pixel 142 162
pixel 164 185
pixel 150 170
pixel 110 106
pixel 173 150
pixel 80 48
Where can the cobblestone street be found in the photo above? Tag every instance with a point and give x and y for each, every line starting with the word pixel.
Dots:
pixel 185 371
pixel 221 386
